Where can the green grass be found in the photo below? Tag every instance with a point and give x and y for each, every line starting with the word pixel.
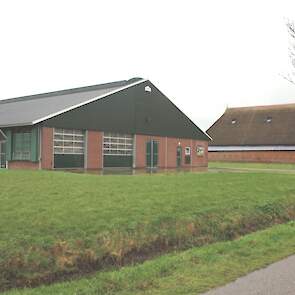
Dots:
pixel 54 223
pixel 190 272
pixel 248 165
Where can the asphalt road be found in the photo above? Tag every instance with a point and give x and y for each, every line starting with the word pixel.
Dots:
pixel 276 279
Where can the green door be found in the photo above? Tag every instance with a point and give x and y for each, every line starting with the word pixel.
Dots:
pixel 152 149
pixel 155 150
pixel 178 156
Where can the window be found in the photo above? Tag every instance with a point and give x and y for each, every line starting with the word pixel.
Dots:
pixel 187 155
pixel 117 144
pixel 68 141
pixel 21 146
pixel 200 151
pixel 187 151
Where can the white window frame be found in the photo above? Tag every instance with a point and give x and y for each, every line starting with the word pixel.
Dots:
pixel 187 151
pixel 74 146
pixel 117 144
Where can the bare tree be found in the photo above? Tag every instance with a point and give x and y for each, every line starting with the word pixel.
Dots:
pixel 290 76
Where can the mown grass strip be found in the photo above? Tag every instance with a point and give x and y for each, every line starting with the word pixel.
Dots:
pixel 190 272
pixel 55 225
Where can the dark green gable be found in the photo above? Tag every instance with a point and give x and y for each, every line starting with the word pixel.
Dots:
pixel 133 111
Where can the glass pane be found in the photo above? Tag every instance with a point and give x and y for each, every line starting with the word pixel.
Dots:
pixel 69 141
pixel 58 150
pixel 21 145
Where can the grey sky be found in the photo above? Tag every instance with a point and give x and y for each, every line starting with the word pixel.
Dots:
pixel 204 55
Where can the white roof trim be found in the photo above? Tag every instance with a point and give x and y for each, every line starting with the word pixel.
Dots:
pixel 2 133
pixel 251 148
pixel 208 135
pixel 16 125
pixel 87 101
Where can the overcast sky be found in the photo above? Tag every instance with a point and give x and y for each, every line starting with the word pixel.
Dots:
pixel 204 55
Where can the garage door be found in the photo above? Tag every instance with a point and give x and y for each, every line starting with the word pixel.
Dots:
pixel 68 148
pixel 117 150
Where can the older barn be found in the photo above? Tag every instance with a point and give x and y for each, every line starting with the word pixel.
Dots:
pixel 120 124
pixel 254 134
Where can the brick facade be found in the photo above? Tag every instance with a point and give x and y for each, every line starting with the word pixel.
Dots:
pixel 28 165
pixel 94 150
pixel 254 156
pixel 47 148
pixel 167 151
pixel 46 153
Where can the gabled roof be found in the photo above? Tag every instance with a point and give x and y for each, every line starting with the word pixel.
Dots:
pixel 140 109
pixel 257 125
pixel 30 110
pixel 135 106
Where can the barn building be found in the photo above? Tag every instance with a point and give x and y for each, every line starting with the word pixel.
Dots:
pixel 254 134
pixel 120 124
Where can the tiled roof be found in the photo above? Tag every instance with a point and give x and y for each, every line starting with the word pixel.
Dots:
pixel 258 125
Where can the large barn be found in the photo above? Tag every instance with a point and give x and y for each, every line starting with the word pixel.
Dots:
pixel 254 134
pixel 120 124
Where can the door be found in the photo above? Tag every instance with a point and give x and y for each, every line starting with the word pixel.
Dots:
pixel 178 156
pixel 152 148
pixel 117 150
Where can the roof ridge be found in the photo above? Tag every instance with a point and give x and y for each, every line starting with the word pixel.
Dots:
pixel 71 90
pixel 262 107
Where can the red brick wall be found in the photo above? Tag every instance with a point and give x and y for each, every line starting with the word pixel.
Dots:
pixel 94 150
pixel 197 160
pixel 166 156
pixel 46 153
pixel 168 159
pixel 23 165
pixel 140 146
pixel 47 148
pixel 254 156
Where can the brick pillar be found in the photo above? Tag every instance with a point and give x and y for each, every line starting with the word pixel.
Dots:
pixel 94 150
pixel 46 148
pixel 140 150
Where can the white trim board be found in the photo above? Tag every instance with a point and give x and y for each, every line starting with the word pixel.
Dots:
pixel 251 148
pixel 87 101
pixel 5 137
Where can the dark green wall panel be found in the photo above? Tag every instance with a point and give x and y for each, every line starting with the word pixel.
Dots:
pixel 132 111
pixel 68 161
pixel 34 145
pixel 2 154
pixel 8 134
pixel 152 156
pixel 117 161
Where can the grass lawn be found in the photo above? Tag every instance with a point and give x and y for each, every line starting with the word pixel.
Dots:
pixel 54 223
pixel 248 165
pixel 187 273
